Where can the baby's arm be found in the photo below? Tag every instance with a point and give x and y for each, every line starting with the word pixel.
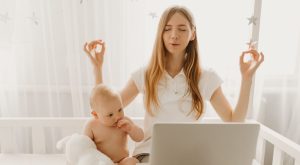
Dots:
pixel 136 133
pixel 129 161
pixel 88 130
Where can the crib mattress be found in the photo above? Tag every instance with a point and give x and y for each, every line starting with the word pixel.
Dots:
pixel 35 159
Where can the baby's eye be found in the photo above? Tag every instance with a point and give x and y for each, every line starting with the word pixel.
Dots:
pixel 110 115
pixel 120 110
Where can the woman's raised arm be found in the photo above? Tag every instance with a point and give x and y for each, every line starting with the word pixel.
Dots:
pixel 220 103
pixel 97 57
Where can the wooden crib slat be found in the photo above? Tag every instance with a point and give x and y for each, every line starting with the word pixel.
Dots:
pixel 277 156
pixel 289 147
pixel 38 140
pixel 7 145
pixel 70 131
pixel 260 150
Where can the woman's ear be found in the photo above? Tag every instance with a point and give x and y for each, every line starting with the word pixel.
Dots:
pixel 93 113
pixel 193 34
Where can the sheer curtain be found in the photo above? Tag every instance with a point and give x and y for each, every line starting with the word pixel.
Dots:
pixel 45 73
pixel 279 79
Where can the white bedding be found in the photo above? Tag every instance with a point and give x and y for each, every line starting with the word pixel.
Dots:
pixel 34 159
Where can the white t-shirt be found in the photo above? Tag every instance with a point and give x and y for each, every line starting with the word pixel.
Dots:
pixel 175 105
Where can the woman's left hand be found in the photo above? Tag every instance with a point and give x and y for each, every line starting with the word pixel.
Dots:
pixel 248 68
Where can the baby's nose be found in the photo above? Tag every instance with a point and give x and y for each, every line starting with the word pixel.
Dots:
pixel 119 118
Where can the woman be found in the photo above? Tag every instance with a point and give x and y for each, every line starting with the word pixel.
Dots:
pixel 174 85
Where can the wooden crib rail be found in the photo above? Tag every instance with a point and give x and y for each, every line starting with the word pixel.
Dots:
pixel 72 125
pixel 37 126
pixel 281 145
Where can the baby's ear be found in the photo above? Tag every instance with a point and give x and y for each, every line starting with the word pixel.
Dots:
pixel 94 114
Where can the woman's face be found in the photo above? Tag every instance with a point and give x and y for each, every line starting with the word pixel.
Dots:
pixel 177 34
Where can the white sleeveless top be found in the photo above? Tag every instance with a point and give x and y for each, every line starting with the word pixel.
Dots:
pixel 175 105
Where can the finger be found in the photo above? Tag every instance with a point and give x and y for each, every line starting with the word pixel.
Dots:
pixel 242 57
pixel 92 44
pixel 102 44
pixel 121 124
pixel 85 48
pixel 89 53
pixel 254 53
pixel 262 57
pixel 103 47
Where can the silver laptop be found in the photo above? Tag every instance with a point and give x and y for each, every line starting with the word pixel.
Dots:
pixel 204 144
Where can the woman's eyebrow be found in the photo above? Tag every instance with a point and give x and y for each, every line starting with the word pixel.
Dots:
pixel 180 25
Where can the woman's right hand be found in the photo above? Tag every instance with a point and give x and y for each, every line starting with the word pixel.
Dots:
pixel 95 56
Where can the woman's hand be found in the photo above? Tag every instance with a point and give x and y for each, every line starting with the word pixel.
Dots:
pixel 248 68
pixel 95 56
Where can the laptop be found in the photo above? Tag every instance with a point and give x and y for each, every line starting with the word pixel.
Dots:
pixel 204 144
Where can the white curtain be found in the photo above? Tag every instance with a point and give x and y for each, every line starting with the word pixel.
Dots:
pixel 278 82
pixel 44 71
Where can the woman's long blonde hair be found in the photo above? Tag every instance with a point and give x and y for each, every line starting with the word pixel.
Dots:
pixel 156 67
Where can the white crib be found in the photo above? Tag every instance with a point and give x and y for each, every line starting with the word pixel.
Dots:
pixel 72 125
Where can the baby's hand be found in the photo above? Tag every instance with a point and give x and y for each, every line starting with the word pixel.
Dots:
pixel 125 124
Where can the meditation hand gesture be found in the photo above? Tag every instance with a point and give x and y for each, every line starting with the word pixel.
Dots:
pixel 94 54
pixel 248 68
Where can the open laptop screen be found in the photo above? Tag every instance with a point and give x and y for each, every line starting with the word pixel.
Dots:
pixel 204 144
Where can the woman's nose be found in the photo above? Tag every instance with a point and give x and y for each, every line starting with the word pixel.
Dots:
pixel 174 34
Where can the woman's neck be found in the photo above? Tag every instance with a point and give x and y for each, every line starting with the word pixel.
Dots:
pixel 174 64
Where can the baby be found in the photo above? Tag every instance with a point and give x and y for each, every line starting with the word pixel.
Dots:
pixel 109 127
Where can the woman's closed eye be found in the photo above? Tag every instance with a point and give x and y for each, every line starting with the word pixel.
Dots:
pixel 180 29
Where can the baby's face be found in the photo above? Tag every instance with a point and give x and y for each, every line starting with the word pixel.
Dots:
pixel 110 112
